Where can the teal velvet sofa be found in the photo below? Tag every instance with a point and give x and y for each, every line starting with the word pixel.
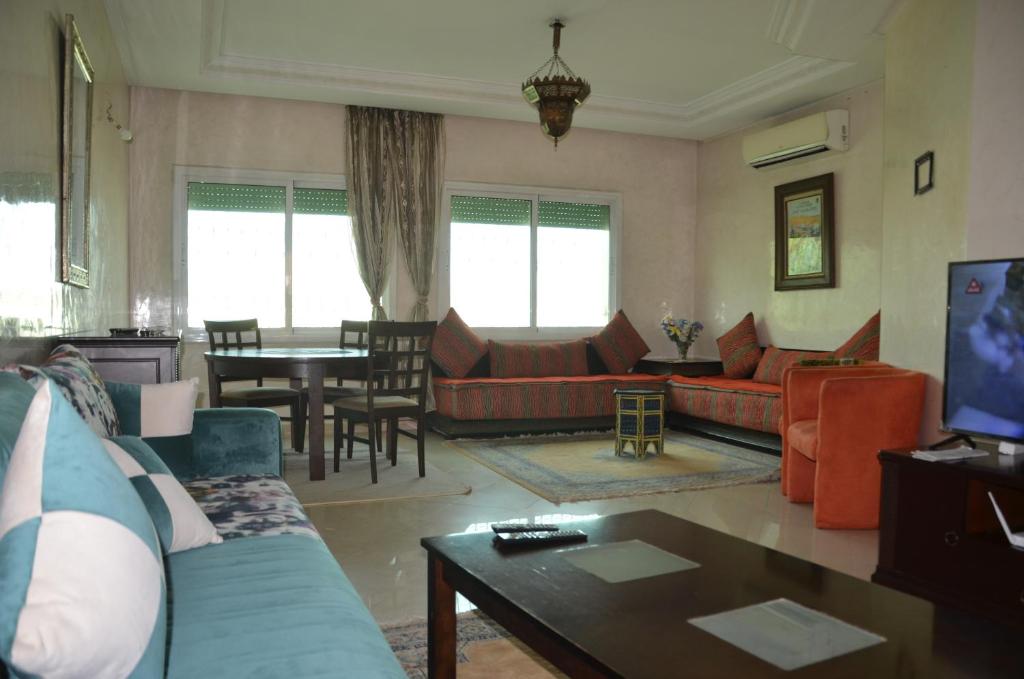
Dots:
pixel 270 601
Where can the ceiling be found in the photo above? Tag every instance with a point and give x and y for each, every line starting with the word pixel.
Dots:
pixel 678 68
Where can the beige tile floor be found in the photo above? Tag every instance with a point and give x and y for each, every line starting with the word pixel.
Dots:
pixel 377 543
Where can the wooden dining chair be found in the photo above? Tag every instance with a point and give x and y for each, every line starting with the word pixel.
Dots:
pixel 354 335
pixel 397 372
pixel 246 334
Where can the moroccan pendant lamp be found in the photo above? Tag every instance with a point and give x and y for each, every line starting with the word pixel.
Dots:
pixel 557 92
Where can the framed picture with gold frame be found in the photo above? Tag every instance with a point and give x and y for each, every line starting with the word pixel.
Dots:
pixel 805 234
pixel 76 143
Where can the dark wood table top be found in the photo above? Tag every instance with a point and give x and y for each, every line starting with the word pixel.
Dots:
pixel 639 628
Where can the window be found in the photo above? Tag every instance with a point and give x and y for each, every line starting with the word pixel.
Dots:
pixel 533 261
pixel 280 251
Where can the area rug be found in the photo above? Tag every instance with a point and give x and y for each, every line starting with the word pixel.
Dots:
pixel 575 468
pixel 484 650
pixel 352 483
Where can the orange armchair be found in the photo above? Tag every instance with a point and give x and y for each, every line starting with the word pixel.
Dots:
pixel 834 422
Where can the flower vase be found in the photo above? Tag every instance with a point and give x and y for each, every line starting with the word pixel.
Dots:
pixel 684 349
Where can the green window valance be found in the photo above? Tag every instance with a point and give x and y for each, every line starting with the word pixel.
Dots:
pixel 484 210
pixel 574 215
pixel 235 197
pixel 320 201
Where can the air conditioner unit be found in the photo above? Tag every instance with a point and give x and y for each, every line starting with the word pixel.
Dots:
pixel 818 133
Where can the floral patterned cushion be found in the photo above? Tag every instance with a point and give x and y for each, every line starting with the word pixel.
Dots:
pixel 247 505
pixel 80 384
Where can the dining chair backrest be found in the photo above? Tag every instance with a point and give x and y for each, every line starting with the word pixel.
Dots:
pixel 354 335
pixel 399 359
pixel 235 335
pixel 231 334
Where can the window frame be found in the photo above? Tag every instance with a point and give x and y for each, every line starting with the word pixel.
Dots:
pixel 535 194
pixel 179 257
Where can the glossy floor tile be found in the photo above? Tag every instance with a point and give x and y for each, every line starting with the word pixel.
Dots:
pixel 377 543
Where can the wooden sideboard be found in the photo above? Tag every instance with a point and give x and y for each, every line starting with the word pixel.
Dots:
pixel 137 360
pixel 939 537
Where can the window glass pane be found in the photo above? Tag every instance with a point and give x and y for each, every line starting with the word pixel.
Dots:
pixel 573 266
pixel 490 261
pixel 326 286
pixel 235 266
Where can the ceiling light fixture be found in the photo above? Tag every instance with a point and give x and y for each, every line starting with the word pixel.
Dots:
pixel 557 93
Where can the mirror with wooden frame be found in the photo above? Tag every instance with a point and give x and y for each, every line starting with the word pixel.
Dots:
pixel 75 150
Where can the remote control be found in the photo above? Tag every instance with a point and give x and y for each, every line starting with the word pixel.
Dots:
pixel 539 539
pixel 522 527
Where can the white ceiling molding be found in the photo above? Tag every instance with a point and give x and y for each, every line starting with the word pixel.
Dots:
pixel 122 39
pixel 737 96
pixel 788 20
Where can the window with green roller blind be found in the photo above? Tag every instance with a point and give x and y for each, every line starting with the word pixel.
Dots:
pixel 277 250
pixel 529 262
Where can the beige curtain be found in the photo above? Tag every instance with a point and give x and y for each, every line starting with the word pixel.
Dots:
pixel 395 181
pixel 420 174
pixel 371 192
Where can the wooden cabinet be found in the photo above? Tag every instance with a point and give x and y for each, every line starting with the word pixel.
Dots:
pixel 939 537
pixel 136 360
pixel 688 367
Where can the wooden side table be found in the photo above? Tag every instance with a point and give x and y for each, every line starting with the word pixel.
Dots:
pixel 640 420
pixel 669 365
pixel 135 360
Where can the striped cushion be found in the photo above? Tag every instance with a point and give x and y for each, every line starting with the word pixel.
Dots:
pixel 865 343
pixel 545 359
pixel 535 397
pixel 179 522
pixel 740 403
pixel 619 345
pixel 739 349
pixel 82 582
pixel 152 410
pixel 775 361
pixel 80 384
pixel 456 348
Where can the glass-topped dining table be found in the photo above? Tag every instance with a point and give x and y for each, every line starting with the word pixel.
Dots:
pixel 313 364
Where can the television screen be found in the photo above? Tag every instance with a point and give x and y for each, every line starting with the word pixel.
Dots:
pixel 984 389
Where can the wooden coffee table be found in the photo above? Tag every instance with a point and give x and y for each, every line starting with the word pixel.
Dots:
pixel 591 628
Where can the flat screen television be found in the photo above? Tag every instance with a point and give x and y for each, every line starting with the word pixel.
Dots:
pixel 983 394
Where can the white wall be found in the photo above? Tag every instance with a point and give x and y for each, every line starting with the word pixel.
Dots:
pixel 655 177
pixel 928 65
pixel 33 301
pixel 736 234
pixel 995 201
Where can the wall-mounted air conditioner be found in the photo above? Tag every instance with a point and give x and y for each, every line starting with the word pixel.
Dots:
pixel 818 133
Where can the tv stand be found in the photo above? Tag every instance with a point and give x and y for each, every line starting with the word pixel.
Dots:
pixel 953 439
pixel 939 537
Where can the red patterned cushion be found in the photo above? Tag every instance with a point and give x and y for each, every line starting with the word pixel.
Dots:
pixel 753 408
pixel 516 398
pixel 619 345
pixel 739 349
pixel 456 348
pixel 775 361
pixel 865 342
pixel 546 359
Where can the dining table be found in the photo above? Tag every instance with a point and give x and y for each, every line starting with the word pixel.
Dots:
pixel 312 364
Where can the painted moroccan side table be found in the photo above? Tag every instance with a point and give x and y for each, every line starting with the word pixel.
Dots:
pixel 640 420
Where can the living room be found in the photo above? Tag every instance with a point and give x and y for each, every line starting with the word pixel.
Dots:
pixel 217 92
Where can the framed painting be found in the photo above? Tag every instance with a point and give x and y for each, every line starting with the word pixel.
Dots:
pixel 76 141
pixel 805 234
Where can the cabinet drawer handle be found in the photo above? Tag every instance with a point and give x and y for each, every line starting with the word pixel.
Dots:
pixel 952 539
pixel 1022 596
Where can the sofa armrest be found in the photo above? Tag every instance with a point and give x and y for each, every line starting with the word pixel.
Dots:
pixel 225 442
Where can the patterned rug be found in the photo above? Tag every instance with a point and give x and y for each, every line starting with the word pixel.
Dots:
pixel 575 468
pixel 484 650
